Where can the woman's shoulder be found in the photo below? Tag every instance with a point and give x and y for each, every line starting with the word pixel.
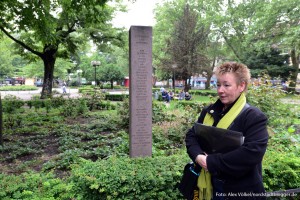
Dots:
pixel 254 112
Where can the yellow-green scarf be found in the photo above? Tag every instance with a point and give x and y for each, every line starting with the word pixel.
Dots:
pixel 204 180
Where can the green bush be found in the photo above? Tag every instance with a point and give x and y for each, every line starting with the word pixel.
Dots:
pixel 94 99
pixel 268 99
pixel 125 178
pixel 105 105
pixel 197 106
pixel 11 103
pixel 123 112
pixel 116 97
pixel 212 93
pixel 281 171
pixel 281 165
pixel 56 102
pixel 18 88
pixel 159 112
pixel 34 186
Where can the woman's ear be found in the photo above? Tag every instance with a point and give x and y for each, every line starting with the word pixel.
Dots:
pixel 243 86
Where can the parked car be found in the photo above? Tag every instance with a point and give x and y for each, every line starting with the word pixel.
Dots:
pixel 38 83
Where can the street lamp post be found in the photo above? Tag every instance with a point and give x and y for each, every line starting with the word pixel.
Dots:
pixel 174 66
pixel 78 76
pixel 95 64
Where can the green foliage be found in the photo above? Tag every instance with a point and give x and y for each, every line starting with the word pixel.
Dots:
pixel 123 112
pixel 212 93
pixel 111 72
pixel 197 106
pixel 48 37
pixel 281 162
pixel 34 186
pixel 69 109
pixel 11 103
pixel 270 61
pixel 82 107
pixel 74 107
pixel 18 88
pixel 94 99
pixel 268 99
pixel 125 178
pixel 57 101
pixel 58 143
pixel 116 97
pixel 159 113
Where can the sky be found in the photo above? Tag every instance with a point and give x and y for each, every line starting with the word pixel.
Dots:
pixel 139 13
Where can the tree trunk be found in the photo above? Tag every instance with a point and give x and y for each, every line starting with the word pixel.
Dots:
pixel 1 123
pixel 210 74
pixel 207 84
pixel 186 86
pixel 294 75
pixel 111 84
pixel 49 58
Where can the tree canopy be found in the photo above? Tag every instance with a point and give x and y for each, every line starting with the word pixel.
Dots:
pixel 248 31
pixel 48 30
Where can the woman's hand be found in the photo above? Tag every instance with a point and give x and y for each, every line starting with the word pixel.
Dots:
pixel 201 160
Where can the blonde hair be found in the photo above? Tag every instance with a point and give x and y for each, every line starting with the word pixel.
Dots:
pixel 241 72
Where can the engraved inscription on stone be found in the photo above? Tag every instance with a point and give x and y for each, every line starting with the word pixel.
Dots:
pixel 140 75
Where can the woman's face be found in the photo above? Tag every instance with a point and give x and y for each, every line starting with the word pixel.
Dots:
pixel 228 89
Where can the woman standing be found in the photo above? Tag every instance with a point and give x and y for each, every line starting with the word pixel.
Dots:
pixel 236 174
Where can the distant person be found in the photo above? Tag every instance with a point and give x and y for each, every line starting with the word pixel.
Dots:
pixel 171 95
pixel 64 88
pixel 181 95
pixel 187 96
pixel 156 95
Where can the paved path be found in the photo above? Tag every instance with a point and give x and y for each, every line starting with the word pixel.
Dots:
pixel 26 95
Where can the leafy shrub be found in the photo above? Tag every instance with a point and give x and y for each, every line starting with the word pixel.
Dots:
pixel 12 121
pixel 74 107
pixel 82 107
pixel 116 97
pixel 36 102
pixel 18 88
pixel 281 171
pixel 197 106
pixel 125 178
pixel 94 99
pixel 212 93
pixel 105 105
pixel 34 186
pixel 11 103
pixel 281 162
pixel 158 112
pixel 123 112
pixel 69 109
pixel 268 99
pixel 56 102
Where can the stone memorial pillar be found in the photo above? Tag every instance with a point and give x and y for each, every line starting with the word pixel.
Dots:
pixel 140 90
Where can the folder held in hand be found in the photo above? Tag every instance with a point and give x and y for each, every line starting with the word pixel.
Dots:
pixel 217 140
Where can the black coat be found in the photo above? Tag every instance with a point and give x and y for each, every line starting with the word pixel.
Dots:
pixel 240 169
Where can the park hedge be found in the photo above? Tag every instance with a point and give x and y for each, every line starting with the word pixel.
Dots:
pixel 136 178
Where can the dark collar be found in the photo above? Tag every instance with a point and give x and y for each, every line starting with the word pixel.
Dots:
pixel 217 112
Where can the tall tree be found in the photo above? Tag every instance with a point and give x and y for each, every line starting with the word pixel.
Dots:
pixel 6 58
pixel 278 25
pixel 1 122
pixel 168 14
pixel 272 62
pixel 111 73
pixel 185 46
pixel 48 29
pixel 256 26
